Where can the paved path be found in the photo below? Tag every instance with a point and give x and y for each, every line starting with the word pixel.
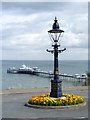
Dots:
pixel 13 107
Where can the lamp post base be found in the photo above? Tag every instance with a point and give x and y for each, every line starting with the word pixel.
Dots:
pixel 56 90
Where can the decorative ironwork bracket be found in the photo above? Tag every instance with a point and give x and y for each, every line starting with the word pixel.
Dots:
pixel 52 51
pixel 59 51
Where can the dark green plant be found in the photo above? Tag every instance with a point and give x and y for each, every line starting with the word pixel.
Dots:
pixel 88 74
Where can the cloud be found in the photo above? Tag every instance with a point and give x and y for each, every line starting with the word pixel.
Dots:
pixel 25 27
pixel 14 19
pixel 74 54
pixel 32 7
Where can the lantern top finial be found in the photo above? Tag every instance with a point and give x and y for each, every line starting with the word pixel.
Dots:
pixel 55 25
pixel 55 19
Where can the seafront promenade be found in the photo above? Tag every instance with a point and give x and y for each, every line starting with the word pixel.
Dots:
pixel 13 104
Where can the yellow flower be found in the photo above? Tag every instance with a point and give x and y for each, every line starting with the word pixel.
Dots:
pixel 43 95
pixel 44 102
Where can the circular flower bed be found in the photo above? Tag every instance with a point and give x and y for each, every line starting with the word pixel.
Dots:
pixel 46 100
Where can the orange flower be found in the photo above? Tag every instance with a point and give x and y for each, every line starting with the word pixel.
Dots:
pixel 66 100
pixel 33 96
pixel 38 101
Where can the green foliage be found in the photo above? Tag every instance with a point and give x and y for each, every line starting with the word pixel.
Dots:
pixel 88 74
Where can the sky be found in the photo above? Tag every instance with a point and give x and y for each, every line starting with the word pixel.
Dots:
pixel 25 26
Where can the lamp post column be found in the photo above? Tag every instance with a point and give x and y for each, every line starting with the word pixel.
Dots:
pixel 56 90
pixel 56 73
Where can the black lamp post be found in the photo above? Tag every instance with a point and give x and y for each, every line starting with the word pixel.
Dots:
pixel 55 33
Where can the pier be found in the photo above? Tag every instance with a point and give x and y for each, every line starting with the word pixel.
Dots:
pixel 38 72
pixel 62 76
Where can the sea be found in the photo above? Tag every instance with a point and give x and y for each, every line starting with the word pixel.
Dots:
pixel 14 81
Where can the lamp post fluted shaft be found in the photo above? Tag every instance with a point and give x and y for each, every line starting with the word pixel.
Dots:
pixel 56 72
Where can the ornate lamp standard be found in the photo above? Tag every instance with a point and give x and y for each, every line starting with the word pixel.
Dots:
pixel 55 34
